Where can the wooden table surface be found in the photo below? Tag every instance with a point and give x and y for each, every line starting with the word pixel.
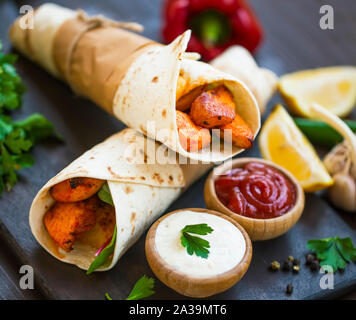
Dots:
pixel 294 41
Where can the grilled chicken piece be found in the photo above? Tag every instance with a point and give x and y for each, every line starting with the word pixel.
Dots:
pixel 65 222
pixel 213 108
pixel 186 101
pixel 241 134
pixel 76 189
pixel 191 137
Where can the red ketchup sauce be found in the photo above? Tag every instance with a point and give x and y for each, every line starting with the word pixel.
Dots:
pixel 256 190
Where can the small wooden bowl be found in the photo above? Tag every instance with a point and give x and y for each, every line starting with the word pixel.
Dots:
pixel 258 229
pixel 196 287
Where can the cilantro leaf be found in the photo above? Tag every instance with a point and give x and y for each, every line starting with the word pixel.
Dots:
pixel 196 245
pixel 104 255
pixel 202 229
pixel 37 128
pixel 11 85
pixel 24 160
pixel 8 169
pixel 16 139
pixel 105 195
pixel 17 142
pixel 142 289
pixel 347 249
pixel 335 252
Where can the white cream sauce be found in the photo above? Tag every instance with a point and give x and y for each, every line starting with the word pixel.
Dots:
pixel 227 244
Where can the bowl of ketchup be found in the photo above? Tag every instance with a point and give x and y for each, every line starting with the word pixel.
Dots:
pixel 261 196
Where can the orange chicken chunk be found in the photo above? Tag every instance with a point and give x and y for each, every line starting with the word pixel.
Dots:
pixel 65 222
pixel 213 108
pixel 185 101
pixel 241 134
pixel 191 137
pixel 76 189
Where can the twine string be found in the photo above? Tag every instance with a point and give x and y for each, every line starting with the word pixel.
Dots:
pixel 93 22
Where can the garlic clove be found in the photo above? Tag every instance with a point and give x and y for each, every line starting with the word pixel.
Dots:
pixel 343 192
pixel 338 159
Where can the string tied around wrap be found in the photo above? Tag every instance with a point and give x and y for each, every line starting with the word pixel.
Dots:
pixel 102 21
pixel 93 22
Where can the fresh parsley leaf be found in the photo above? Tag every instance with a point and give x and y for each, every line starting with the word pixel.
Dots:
pixel 104 255
pixel 9 176
pixel 105 194
pixel 37 128
pixel 24 160
pixel 142 289
pixel 17 142
pixel 16 139
pixel 202 229
pixel 196 245
pixel 335 252
pixel 5 127
pixel 11 85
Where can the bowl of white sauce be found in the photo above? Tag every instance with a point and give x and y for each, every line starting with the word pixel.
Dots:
pixel 198 252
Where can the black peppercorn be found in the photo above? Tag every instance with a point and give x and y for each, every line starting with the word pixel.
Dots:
pixel 296 262
pixel 315 265
pixel 287 265
pixel 309 258
pixel 296 269
pixel 275 266
pixel 289 289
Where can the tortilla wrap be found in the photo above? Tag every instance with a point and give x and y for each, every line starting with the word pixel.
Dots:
pixel 238 62
pixel 131 77
pixel 141 192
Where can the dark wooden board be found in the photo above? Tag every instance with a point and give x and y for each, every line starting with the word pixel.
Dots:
pixel 293 41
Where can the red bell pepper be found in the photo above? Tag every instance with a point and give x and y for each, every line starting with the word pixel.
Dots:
pixel 215 25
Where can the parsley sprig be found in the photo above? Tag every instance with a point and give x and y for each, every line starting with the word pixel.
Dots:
pixel 335 252
pixel 16 140
pixel 142 289
pixel 11 85
pixel 16 137
pixel 196 245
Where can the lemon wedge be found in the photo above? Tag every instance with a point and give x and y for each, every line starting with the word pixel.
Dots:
pixel 334 88
pixel 283 143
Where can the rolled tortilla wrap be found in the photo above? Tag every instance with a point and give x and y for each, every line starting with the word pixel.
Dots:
pixel 130 76
pixel 141 192
pixel 238 62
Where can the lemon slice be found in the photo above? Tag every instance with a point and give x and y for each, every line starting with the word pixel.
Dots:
pixel 334 88
pixel 283 143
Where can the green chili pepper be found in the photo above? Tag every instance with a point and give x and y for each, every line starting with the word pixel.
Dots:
pixel 320 133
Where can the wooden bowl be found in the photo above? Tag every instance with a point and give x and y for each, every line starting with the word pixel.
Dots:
pixel 196 287
pixel 258 229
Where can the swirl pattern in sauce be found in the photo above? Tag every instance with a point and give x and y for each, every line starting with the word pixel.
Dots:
pixel 256 191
